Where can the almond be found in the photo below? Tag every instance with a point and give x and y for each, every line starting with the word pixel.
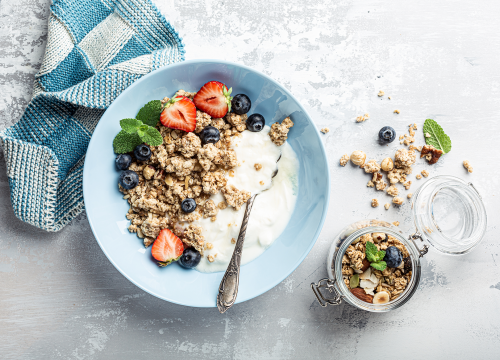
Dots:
pixel 360 294
pixel 366 265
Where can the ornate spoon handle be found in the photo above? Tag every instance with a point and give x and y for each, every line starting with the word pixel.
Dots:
pixel 228 288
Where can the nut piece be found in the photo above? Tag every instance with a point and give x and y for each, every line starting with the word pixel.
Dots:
pixel 425 173
pixel 325 130
pixel 381 93
pixel 358 157
pixel 374 203
pixel 431 154
pixel 468 166
pixel 395 223
pixel 381 297
pixel 387 164
pixel 344 160
pixel 366 265
pixel 396 111
pixel 360 294
pixel 148 172
pixel 387 206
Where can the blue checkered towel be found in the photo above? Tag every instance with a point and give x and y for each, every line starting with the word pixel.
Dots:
pixel 95 49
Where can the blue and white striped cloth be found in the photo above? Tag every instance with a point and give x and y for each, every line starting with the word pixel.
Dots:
pixel 95 49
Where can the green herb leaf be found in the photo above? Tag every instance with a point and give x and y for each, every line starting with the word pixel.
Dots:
pixel 152 137
pixel 354 281
pixel 380 265
pixel 371 252
pixel 124 142
pixel 130 125
pixel 380 255
pixel 437 138
pixel 150 113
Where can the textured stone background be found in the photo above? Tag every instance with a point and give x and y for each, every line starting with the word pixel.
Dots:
pixel 61 298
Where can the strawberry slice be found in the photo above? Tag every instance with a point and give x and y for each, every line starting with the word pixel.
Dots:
pixel 180 114
pixel 167 248
pixel 214 98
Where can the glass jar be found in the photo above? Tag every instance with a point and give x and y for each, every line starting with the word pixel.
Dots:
pixel 448 213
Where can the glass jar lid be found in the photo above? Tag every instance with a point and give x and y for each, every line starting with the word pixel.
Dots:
pixel 449 213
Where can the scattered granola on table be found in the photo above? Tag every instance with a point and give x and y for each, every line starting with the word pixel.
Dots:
pixel 344 159
pixel 375 203
pixel 325 130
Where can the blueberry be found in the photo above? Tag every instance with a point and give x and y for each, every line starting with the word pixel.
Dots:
pixel 241 104
pixel 188 205
pixel 256 122
pixel 189 258
pixel 387 134
pixel 393 257
pixel 210 135
pixel 129 179
pixel 123 161
pixel 142 152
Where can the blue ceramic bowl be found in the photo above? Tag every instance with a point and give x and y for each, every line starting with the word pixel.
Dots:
pixel 106 209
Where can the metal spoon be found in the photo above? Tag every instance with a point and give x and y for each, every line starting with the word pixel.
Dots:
pixel 228 288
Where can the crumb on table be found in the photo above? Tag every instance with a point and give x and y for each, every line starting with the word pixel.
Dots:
pixel 387 206
pixel 468 166
pixel 397 201
pixel 375 203
pixel 397 111
pixel 425 173
pixel 410 195
pixel 257 166
pixel 381 93
pixel 344 160
pixel 395 223
pixel 325 130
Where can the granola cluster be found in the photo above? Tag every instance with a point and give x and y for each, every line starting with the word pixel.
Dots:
pixel 279 132
pixel 183 168
pixel 396 168
pixel 369 280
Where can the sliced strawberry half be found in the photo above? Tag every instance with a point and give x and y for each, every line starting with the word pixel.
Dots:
pixel 167 248
pixel 180 114
pixel 214 98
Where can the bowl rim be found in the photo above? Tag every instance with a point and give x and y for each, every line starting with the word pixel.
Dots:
pixel 172 67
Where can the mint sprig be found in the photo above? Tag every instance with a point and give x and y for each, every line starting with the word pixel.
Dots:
pixel 136 131
pixel 438 137
pixel 125 142
pixel 150 113
pixel 375 256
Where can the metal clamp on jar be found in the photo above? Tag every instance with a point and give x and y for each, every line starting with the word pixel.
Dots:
pixel 448 214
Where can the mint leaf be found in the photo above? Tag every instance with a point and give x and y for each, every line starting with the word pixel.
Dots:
pixel 381 265
pixel 130 125
pixel 371 251
pixel 380 255
pixel 150 113
pixel 124 142
pixel 438 138
pixel 152 137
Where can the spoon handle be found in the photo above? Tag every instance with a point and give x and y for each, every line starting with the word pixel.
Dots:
pixel 228 288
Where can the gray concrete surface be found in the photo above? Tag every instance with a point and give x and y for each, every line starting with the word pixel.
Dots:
pixel 61 298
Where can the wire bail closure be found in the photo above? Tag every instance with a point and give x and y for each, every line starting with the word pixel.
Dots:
pixel 328 284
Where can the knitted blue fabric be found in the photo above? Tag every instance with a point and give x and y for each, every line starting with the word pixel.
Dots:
pixel 95 49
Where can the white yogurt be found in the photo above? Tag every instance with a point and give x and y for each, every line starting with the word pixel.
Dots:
pixel 272 209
